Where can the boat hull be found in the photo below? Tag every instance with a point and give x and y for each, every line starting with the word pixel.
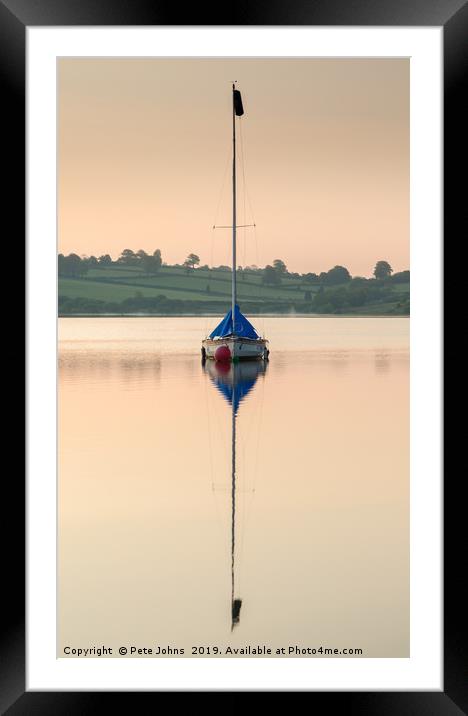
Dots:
pixel 240 348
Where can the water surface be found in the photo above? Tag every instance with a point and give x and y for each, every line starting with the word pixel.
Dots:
pixel 321 527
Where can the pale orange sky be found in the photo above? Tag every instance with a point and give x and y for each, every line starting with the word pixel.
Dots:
pixel 144 146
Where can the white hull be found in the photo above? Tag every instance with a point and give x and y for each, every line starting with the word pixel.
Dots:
pixel 240 348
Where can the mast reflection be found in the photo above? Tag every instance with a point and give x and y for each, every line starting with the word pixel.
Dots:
pixel 234 381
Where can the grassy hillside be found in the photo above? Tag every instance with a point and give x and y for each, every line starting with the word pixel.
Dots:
pixel 199 283
pixel 121 289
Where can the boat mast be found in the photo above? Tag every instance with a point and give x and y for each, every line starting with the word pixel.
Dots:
pixel 233 207
pixel 233 507
pixel 236 603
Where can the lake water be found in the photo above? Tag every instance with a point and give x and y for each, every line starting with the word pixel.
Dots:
pixel 313 540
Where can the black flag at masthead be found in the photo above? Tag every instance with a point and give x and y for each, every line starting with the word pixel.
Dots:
pixel 238 108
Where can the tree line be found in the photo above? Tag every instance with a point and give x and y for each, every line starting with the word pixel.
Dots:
pixel 75 266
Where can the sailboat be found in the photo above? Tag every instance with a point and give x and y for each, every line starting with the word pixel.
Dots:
pixel 234 382
pixel 234 338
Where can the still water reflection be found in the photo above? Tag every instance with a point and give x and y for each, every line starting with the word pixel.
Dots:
pixel 254 505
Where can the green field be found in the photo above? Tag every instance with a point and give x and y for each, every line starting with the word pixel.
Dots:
pixel 116 284
pixel 113 291
pixel 199 288
pixel 198 281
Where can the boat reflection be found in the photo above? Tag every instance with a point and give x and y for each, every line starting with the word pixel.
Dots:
pixel 234 381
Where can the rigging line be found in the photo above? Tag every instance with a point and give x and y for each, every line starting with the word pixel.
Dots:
pixel 250 425
pixel 261 294
pixel 243 164
pixel 240 477
pixel 223 183
pixel 262 400
pixel 241 526
pixel 219 421
pixel 210 273
pixel 243 186
pixel 241 551
pixel 226 165
pixel 247 195
pixel 221 437
pixel 238 226
pixel 255 473
pixel 218 520
pixel 245 443
pixel 209 430
pixel 218 412
pixel 252 433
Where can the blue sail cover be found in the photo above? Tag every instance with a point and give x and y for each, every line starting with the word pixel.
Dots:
pixel 237 382
pixel 243 328
pixel 236 392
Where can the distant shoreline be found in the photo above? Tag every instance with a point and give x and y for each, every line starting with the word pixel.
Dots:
pixel 216 315
pixel 120 290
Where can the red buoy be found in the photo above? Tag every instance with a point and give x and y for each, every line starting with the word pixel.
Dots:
pixel 222 354
pixel 222 368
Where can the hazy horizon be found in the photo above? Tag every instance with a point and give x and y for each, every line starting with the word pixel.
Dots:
pixel 144 150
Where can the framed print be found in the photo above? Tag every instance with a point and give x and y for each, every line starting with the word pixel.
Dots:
pixel 234 439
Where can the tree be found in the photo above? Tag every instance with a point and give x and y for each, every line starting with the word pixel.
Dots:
pixel 337 275
pixel 382 270
pixel 147 264
pixel 357 295
pixel 191 261
pixel 81 266
pixel 128 257
pixel 150 264
pixel 71 265
pixel 309 278
pixel 157 258
pixel 320 300
pixel 105 260
pixel 307 296
pixel 358 281
pixel 331 300
pixel 280 266
pixel 270 276
pixel 401 277
pixel 143 260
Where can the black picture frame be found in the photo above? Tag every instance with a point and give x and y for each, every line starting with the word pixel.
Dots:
pixel 15 17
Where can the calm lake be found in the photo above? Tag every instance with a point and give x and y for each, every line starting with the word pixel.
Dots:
pixel 313 541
